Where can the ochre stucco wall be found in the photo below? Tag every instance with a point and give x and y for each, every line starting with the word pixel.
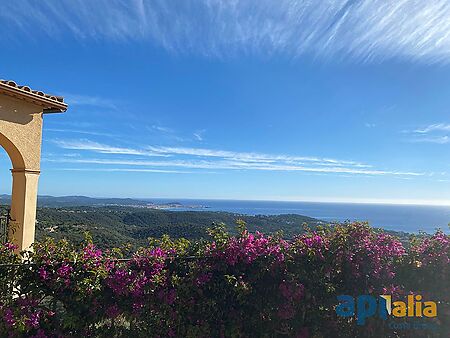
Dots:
pixel 21 136
pixel 21 132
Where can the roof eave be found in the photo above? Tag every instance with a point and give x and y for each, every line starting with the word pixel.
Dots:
pixel 49 105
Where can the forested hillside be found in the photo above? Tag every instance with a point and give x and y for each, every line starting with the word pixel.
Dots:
pixel 113 226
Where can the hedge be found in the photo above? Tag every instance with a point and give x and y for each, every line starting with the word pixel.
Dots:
pixel 250 285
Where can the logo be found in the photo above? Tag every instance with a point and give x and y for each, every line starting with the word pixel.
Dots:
pixel 367 306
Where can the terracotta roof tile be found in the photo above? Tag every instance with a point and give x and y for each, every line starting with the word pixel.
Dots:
pixel 58 100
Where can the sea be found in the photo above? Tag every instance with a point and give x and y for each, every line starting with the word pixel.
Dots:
pixel 408 218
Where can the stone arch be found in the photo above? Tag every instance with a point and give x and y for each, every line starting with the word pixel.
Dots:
pixel 14 154
pixel 18 191
pixel 21 119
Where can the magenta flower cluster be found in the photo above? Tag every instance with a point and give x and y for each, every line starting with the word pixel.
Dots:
pixel 231 286
pixel 247 248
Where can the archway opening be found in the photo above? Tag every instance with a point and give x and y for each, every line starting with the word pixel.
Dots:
pixel 5 193
pixel 10 158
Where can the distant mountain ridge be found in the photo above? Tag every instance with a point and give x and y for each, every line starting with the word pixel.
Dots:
pixel 114 222
pixel 77 201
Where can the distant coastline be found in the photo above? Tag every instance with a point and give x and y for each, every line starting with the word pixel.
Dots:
pixel 407 218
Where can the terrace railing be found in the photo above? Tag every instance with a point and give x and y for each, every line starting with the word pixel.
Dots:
pixel 4 226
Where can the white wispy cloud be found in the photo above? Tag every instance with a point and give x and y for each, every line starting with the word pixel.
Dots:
pixel 165 132
pixel 432 139
pixel 129 170
pixel 249 157
pixel 162 129
pixel 434 127
pixel 102 148
pixel 212 159
pixel 85 100
pixel 198 134
pixel 366 30
pixel 236 165
pixel 78 131
pixel 434 133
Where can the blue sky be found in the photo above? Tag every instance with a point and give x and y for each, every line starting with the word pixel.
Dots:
pixel 276 100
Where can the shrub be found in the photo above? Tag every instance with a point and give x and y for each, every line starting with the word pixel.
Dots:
pixel 230 286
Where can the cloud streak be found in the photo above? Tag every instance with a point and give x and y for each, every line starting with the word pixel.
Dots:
pixel 102 148
pixel 365 30
pixel 434 133
pixel 432 139
pixel 78 131
pixel 162 129
pixel 84 100
pixel 433 127
pixel 133 170
pixel 211 159
pixel 236 165
pixel 198 135
pixel 249 157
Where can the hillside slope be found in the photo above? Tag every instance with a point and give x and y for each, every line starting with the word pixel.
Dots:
pixel 112 226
